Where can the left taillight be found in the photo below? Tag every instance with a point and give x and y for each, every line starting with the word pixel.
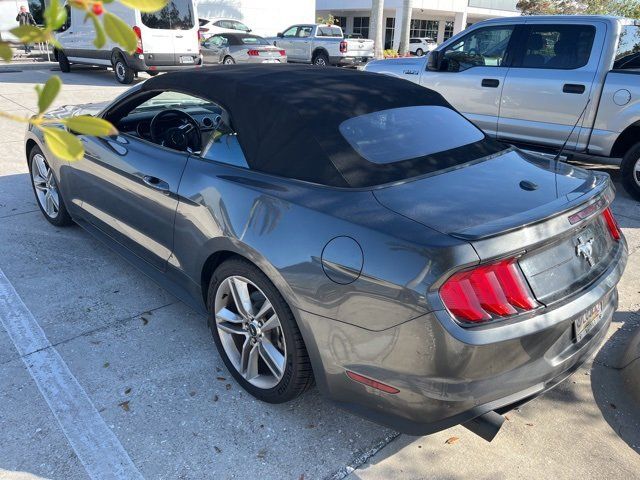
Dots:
pixel 488 292
pixel 343 46
pixel 138 33
pixel 283 53
pixel 612 223
pixel 253 53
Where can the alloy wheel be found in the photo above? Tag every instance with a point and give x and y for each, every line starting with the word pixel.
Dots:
pixel 120 70
pixel 45 186
pixel 250 332
pixel 636 172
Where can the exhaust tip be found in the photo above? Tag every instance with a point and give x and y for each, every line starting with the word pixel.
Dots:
pixel 486 426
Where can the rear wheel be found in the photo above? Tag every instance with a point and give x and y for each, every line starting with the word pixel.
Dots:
pixel 256 333
pixel 46 190
pixel 419 52
pixel 63 62
pixel 321 59
pixel 123 72
pixel 152 73
pixel 630 170
pixel 228 61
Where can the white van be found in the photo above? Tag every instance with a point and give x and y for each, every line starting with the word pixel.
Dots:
pixel 167 40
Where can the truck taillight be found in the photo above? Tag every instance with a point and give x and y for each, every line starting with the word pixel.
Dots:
pixel 253 53
pixel 138 33
pixel 488 292
pixel 612 224
pixel 343 46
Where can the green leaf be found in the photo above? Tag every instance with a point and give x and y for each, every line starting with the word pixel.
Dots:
pixel 119 31
pixel 54 15
pixel 145 5
pixel 100 38
pixel 30 33
pixel 48 93
pixel 87 125
pixel 63 144
pixel 5 51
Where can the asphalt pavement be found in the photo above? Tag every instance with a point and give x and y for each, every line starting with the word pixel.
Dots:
pixel 138 369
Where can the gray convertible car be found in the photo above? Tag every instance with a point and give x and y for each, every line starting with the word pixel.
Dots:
pixel 354 230
pixel 230 48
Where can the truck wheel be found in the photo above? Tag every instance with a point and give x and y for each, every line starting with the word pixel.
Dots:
pixel 321 59
pixel 124 73
pixel 63 61
pixel 630 170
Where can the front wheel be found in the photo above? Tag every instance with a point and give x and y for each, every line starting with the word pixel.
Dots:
pixel 630 170
pixel 45 188
pixel 63 62
pixel 256 333
pixel 124 73
pixel 229 61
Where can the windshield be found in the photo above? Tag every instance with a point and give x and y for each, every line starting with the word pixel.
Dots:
pixel 398 134
pixel 628 52
pixel 176 15
pixel 169 100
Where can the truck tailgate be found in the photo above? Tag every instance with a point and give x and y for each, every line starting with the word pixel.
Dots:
pixel 359 47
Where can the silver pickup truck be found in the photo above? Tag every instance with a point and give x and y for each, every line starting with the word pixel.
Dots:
pixel 323 45
pixel 530 80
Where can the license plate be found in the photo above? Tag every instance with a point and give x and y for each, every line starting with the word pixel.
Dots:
pixel 186 59
pixel 587 321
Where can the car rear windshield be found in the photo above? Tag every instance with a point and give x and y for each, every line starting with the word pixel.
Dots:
pixel 398 134
pixel 176 15
pixel 254 41
pixel 628 52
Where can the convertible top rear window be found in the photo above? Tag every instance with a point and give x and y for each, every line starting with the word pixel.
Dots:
pixel 399 134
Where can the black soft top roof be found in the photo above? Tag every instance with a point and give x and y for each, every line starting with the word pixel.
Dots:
pixel 287 119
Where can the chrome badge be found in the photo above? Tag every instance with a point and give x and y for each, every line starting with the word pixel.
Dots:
pixel 585 249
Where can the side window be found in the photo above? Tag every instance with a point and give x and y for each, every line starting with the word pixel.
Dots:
pixel 628 52
pixel 291 32
pixel 305 32
pixel 561 47
pixel 485 47
pixel 225 148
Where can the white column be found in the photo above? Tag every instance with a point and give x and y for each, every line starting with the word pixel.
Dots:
pixel 397 29
pixel 460 22
pixel 441 24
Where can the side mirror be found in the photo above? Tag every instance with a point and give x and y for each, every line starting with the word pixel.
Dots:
pixel 249 30
pixel 279 35
pixel 434 62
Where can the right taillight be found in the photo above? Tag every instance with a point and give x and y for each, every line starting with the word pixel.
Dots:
pixel 488 292
pixel 138 33
pixel 343 46
pixel 612 224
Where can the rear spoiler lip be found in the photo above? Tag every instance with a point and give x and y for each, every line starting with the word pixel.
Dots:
pixel 565 205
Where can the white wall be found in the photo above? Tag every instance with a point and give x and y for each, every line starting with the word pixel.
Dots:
pixel 264 17
pixel 8 11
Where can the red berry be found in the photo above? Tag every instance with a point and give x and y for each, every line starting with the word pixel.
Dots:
pixel 97 8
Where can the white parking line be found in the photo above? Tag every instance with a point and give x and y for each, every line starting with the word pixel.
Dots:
pixel 99 450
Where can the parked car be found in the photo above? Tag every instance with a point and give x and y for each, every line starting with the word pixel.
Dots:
pixel 421 45
pixel 211 26
pixel 232 48
pixel 529 80
pixel 323 45
pixel 354 230
pixel 167 40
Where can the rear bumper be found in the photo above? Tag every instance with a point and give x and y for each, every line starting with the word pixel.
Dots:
pixel 349 61
pixel 162 62
pixel 446 378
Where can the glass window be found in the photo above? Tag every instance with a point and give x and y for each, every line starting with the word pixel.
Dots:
pixel 628 52
pixel 483 47
pixel 304 31
pixel 559 47
pixel 448 30
pixel 361 26
pixel 291 32
pixel 235 25
pixel 329 32
pixel 424 28
pixel 225 148
pixel 36 7
pixel 389 30
pixel 399 134
pixel 341 22
pixel 176 15
pixel 251 40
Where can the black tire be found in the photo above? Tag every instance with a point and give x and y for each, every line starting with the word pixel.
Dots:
pixel 321 59
pixel 123 72
pixel 630 170
pixel 298 375
pixel 62 218
pixel 63 62
pixel 419 52
pixel 228 60
pixel 152 73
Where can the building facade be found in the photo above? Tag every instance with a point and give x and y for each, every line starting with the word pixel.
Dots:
pixel 438 19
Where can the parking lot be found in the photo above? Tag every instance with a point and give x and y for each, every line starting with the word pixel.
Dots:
pixel 134 362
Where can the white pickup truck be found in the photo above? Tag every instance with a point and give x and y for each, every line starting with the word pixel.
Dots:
pixel 530 80
pixel 323 45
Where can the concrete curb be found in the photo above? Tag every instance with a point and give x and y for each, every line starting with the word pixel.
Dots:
pixel 631 367
pixel 21 66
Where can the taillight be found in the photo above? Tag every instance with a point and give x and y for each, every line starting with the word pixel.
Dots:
pixel 343 46
pixel 487 292
pixel 371 382
pixel 283 53
pixel 138 33
pixel 253 53
pixel 612 224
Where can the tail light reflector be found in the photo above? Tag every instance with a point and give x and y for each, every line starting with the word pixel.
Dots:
pixel 486 292
pixel 612 224
pixel 253 53
pixel 343 46
pixel 371 383
pixel 283 53
pixel 138 33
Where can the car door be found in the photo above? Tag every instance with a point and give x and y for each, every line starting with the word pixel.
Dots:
pixel 212 49
pixel 472 72
pixel 285 41
pixel 127 188
pixel 302 43
pixel 549 83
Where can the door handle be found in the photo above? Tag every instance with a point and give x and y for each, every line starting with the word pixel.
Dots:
pixel 490 82
pixel 573 88
pixel 156 183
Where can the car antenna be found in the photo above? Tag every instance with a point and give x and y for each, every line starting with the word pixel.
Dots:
pixel 564 145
